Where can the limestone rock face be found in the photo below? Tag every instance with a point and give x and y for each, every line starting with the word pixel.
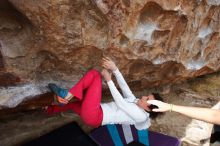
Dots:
pixel 153 42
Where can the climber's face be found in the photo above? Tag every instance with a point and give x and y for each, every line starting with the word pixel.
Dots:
pixel 143 102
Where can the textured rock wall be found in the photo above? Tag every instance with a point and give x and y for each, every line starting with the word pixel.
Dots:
pixel 199 92
pixel 153 42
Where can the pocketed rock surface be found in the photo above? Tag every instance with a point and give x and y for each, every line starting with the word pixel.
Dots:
pixel 158 45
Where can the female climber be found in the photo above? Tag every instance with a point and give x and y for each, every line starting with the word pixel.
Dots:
pixel 126 109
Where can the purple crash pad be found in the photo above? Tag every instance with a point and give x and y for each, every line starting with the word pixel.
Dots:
pixel 102 137
pixel 158 139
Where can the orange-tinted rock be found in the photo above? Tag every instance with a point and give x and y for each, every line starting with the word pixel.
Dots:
pixel 8 79
pixel 154 42
pixel 37 103
pixel 1 61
